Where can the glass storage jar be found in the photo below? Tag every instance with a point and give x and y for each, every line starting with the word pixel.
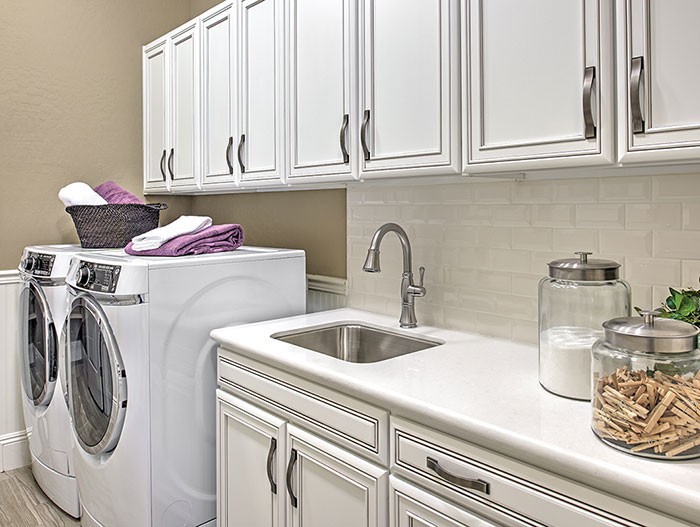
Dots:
pixel 646 387
pixel 574 300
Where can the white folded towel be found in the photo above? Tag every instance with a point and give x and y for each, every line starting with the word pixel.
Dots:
pixel 157 237
pixel 80 194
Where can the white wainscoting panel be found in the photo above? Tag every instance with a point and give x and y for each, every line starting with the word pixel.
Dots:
pixel 325 293
pixel 14 447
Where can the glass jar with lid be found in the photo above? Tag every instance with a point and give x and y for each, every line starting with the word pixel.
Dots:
pixel 574 300
pixel 646 387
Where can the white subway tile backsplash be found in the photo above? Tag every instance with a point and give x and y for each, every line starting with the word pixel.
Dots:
pixel 629 243
pixel 553 215
pixel 618 190
pixel 653 216
pixel 600 216
pixel 487 245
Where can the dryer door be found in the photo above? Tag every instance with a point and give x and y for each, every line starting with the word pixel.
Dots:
pixel 38 344
pixel 96 377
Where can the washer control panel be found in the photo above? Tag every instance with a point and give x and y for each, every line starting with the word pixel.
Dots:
pixel 38 264
pixel 101 278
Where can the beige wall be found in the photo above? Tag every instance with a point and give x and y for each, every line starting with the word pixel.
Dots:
pixel 70 107
pixel 70 101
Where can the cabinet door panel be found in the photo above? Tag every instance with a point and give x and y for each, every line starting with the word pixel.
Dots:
pixel 662 37
pixel 261 80
pixel 218 96
pixel 409 85
pixel 185 106
pixel 321 85
pixel 528 94
pixel 334 487
pixel 155 116
pixel 244 446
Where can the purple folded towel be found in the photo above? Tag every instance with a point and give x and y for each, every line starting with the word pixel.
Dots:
pixel 116 195
pixel 214 239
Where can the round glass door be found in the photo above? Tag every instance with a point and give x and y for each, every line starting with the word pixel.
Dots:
pixel 38 345
pixel 96 385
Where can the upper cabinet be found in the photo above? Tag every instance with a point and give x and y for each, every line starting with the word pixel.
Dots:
pixel 658 79
pixel 260 148
pixel 321 90
pixel 538 84
pixel 171 111
pixel 409 87
pixel 219 96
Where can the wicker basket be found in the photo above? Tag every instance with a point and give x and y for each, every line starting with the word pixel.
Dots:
pixel 113 226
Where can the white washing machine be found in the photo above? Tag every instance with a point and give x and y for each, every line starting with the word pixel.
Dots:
pixel 43 303
pixel 142 374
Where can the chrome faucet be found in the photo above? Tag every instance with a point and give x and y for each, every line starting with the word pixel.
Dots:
pixel 409 290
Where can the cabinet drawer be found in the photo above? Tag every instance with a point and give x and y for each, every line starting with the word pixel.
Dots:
pixel 357 425
pixel 449 467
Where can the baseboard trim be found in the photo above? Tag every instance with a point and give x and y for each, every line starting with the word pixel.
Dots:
pixel 327 284
pixel 14 451
pixel 9 277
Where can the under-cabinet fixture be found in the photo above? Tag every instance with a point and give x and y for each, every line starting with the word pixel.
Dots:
pixel 409 290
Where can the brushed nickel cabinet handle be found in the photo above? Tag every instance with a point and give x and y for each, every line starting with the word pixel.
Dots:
pixel 636 94
pixel 162 163
pixel 588 83
pixel 240 153
pixel 468 483
pixel 270 457
pixel 290 471
pixel 343 133
pixel 170 163
pixel 363 136
pixel 229 147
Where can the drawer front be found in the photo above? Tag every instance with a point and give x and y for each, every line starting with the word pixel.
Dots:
pixel 489 490
pixel 358 426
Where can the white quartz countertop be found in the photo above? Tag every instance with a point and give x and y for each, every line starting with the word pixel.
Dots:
pixel 483 390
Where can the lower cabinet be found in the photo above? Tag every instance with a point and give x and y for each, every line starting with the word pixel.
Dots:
pixel 272 473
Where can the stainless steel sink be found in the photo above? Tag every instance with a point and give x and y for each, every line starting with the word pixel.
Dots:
pixel 355 342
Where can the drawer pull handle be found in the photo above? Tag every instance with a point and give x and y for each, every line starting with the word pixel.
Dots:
pixel 229 147
pixel 363 136
pixel 290 471
pixel 343 132
pixel 474 484
pixel 240 153
pixel 170 163
pixel 162 163
pixel 636 94
pixel 270 457
pixel 588 85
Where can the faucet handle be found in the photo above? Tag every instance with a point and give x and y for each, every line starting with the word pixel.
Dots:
pixel 417 289
pixel 421 276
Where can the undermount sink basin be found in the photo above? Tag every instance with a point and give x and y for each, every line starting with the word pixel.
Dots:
pixel 355 341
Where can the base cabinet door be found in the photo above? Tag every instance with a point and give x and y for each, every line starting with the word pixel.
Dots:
pixel 409 85
pixel 538 77
pixel 328 486
pixel 658 78
pixel 413 507
pixel 250 452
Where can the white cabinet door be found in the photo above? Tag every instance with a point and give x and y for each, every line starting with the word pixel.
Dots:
pixel 658 78
pixel 260 144
pixel 329 486
pixel 250 461
pixel 322 89
pixel 155 116
pixel 409 87
pixel 183 158
pixel 219 95
pixel 539 85
pixel 412 507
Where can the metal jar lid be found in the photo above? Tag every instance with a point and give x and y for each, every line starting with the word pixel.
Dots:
pixel 650 334
pixel 584 270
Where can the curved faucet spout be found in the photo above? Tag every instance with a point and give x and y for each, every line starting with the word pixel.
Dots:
pixel 372 262
pixel 409 290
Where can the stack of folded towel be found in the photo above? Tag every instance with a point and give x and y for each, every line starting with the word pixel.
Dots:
pixel 108 193
pixel 186 236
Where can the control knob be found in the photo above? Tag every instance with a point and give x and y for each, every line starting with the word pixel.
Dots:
pixel 84 276
pixel 29 263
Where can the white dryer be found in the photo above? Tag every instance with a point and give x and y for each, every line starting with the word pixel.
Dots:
pixel 43 303
pixel 142 374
